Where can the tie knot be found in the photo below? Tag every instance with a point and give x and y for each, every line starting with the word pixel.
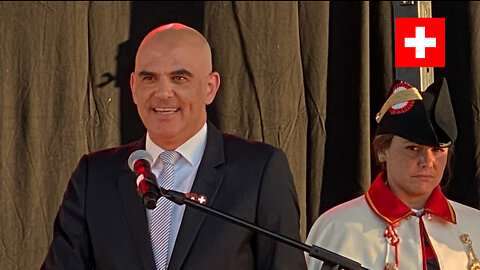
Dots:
pixel 169 157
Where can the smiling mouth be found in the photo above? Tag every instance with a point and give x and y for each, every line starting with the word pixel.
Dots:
pixel 166 110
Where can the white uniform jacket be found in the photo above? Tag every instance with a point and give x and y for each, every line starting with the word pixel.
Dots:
pixel 380 232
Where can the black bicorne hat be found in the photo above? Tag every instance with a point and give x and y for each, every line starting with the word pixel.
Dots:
pixel 425 118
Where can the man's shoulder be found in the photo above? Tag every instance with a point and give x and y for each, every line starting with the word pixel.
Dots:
pixel 240 148
pixel 119 151
pixel 249 144
pixel 235 144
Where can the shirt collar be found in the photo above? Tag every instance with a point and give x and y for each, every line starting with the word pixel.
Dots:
pixel 191 150
pixel 386 205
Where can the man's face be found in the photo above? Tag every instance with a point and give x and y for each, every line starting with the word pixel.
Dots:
pixel 171 86
pixel 414 170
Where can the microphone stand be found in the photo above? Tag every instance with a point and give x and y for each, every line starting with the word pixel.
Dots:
pixel 331 260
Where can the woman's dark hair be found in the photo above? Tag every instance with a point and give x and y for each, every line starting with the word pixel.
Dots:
pixel 383 141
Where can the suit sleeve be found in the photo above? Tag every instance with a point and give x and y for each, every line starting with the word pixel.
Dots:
pixel 70 247
pixel 278 211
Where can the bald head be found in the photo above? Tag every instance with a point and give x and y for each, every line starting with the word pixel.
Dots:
pixel 177 35
pixel 172 83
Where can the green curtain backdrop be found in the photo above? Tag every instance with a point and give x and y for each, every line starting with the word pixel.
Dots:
pixel 305 76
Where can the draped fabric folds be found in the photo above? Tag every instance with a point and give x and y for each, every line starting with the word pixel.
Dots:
pixel 304 76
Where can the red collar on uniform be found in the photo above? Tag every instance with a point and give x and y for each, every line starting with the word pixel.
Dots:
pixel 386 205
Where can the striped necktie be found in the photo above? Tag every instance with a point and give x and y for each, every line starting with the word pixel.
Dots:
pixel 162 214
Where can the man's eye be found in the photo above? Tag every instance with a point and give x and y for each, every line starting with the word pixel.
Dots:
pixel 439 149
pixel 148 78
pixel 179 78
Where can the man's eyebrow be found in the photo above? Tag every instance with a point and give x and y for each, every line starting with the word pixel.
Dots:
pixel 182 72
pixel 146 73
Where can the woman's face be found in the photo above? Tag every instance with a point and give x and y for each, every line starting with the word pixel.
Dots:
pixel 413 170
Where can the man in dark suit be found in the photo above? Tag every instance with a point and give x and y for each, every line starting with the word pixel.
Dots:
pixel 102 223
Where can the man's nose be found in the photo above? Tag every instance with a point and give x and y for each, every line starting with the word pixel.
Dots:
pixel 164 89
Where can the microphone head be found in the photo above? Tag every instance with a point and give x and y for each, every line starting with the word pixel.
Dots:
pixel 137 155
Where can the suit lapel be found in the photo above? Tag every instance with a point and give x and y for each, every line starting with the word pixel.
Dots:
pixel 207 182
pixel 135 212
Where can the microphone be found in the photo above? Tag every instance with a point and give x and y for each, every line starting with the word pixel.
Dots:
pixel 140 163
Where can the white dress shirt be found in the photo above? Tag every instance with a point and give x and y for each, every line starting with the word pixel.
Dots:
pixel 185 170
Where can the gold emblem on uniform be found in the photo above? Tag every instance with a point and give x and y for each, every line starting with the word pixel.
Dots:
pixel 390 266
pixel 473 263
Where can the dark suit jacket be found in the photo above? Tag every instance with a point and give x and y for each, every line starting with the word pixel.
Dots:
pixel 102 223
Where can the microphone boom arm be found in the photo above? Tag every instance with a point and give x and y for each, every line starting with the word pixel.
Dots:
pixel 331 260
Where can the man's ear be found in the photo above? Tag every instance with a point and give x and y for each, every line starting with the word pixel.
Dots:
pixel 132 88
pixel 212 88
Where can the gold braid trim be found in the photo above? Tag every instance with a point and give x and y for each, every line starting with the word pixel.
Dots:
pixel 398 97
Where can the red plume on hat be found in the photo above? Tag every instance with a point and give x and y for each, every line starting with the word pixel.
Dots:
pixel 426 118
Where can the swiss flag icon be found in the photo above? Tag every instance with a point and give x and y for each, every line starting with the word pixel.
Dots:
pixel 419 42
